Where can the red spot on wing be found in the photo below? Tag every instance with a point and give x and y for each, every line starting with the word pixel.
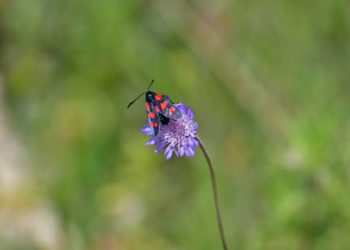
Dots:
pixel 164 104
pixel 158 97
pixel 171 110
pixel 157 109
pixel 153 124
pixel 147 105
pixel 151 115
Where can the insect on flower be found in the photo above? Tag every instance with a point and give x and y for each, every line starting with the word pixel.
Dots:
pixel 160 109
pixel 170 125
pixel 172 128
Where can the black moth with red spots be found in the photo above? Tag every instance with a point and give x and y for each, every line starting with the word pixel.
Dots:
pixel 160 109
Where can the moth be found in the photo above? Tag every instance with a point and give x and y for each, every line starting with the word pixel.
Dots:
pixel 160 109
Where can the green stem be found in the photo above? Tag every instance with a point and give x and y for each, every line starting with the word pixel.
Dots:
pixel 215 193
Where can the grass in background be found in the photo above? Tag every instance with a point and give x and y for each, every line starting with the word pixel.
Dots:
pixel 270 86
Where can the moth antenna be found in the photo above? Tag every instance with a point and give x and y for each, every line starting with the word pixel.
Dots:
pixel 132 102
pixel 149 86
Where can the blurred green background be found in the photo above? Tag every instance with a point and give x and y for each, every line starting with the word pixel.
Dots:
pixel 269 82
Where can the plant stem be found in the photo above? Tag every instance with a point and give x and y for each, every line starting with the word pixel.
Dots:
pixel 215 193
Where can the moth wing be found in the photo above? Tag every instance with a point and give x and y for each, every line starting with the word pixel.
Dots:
pixel 170 110
pixel 174 113
pixel 153 119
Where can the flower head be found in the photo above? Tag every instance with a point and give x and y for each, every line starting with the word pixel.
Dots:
pixel 178 136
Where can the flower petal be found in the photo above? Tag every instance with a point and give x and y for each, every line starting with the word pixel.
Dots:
pixel 175 151
pixel 190 141
pixel 160 146
pixel 152 141
pixel 190 113
pixel 194 141
pixel 181 107
pixel 168 152
pixel 147 130
pixel 189 151
pixel 181 150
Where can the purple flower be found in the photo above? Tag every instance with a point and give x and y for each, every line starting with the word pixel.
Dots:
pixel 178 136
